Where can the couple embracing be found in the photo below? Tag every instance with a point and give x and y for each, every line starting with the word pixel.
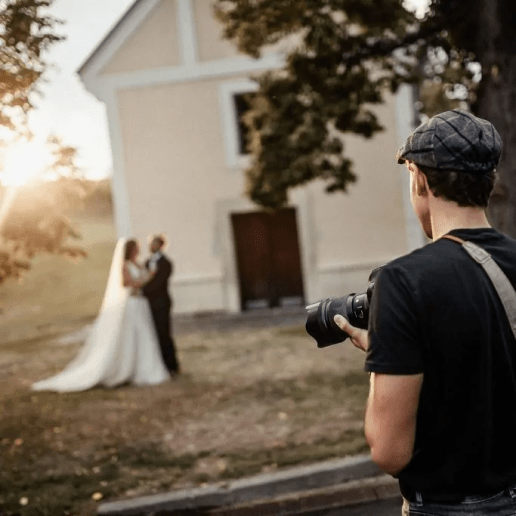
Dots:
pixel 130 341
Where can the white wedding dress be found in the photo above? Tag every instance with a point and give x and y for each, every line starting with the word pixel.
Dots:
pixel 122 346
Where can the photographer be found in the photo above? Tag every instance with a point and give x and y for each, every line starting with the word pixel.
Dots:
pixel 441 412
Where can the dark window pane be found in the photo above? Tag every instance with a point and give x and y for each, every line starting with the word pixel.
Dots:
pixel 242 104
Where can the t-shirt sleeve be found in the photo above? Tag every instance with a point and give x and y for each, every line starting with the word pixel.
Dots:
pixel 395 342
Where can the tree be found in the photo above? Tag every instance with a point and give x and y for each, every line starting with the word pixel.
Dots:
pixel 33 217
pixel 26 32
pixel 350 54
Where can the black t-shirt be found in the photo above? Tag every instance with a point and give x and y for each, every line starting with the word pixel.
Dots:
pixel 435 311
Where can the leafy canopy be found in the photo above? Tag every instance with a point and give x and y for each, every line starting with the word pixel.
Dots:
pixel 349 55
pixel 25 33
pixel 32 217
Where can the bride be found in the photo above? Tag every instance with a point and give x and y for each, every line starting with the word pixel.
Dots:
pixel 122 345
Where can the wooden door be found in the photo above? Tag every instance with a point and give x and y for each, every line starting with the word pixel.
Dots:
pixel 268 258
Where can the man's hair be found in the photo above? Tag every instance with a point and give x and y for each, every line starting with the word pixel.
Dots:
pixel 160 239
pixel 464 188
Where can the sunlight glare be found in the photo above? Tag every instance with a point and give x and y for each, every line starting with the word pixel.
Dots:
pixel 23 161
pixel 418 7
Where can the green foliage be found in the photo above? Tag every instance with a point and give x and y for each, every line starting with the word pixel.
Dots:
pixel 35 217
pixel 36 222
pixel 32 218
pixel 349 55
pixel 25 33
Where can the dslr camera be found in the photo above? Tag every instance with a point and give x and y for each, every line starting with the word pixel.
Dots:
pixel 354 307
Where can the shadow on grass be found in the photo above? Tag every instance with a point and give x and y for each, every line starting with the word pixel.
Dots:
pixel 114 474
pixel 354 386
pixel 49 463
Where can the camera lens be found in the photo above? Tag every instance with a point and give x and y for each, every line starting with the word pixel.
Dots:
pixel 354 307
pixel 320 324
pixel 359 311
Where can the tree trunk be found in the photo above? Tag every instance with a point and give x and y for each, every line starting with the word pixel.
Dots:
pixel 497 102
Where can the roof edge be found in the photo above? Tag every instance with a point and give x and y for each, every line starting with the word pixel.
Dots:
pixel 91 57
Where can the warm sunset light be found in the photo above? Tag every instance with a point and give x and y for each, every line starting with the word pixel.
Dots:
pixel 23 161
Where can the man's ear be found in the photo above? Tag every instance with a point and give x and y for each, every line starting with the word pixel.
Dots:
pixel 421 182
pixel 419 188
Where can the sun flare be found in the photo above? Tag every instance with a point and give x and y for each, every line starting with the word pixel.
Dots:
pixel 23 161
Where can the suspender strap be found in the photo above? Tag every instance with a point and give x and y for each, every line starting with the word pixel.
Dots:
pixel 500 282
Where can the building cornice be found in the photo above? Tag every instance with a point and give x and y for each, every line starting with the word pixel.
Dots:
pixel 183 73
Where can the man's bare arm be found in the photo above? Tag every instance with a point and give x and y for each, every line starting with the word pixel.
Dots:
pixel 390 422
pixel 391 413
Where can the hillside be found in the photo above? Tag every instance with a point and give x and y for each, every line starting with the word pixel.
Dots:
pixel 57 295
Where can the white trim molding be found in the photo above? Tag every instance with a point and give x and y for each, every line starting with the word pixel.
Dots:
pixel 183 73
pixel 350 267
pixel 135 16
pixel 194 279
pixel 302 200
pixel 227 91
pixel 405 125
pixel 122 211
pixel 187 32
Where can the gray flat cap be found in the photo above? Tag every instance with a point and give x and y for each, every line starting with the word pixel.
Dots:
pixel 454 140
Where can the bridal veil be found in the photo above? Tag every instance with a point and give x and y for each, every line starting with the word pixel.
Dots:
pixel 95 362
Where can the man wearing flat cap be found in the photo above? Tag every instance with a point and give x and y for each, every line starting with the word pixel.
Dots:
pixel 441 351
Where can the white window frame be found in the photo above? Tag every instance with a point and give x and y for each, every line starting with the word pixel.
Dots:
pixel 230 133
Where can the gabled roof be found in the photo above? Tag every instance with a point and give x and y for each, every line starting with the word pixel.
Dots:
pixel 98 49
pixel 102 84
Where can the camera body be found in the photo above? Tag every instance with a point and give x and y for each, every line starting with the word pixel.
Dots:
pixel 354 307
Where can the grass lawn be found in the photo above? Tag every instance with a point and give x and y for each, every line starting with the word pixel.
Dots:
pixel 58 295
pixel 248 401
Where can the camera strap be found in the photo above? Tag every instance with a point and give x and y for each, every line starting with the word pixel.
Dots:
pixel 500 282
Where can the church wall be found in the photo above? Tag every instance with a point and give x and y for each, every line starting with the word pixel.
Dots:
pixel 176 172
pixel 210 44
pixel 365 227
pixel 155 44
pixel 209 36
pixel 179 172
pixel 179 183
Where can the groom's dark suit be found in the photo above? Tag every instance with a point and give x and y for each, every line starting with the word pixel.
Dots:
pixel 156 291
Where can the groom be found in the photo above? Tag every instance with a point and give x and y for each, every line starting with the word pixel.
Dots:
pixel 156 291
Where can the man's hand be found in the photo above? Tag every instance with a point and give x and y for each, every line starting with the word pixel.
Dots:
pixel 359 337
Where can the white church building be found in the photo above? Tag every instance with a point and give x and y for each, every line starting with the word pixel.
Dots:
pixel 171 88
